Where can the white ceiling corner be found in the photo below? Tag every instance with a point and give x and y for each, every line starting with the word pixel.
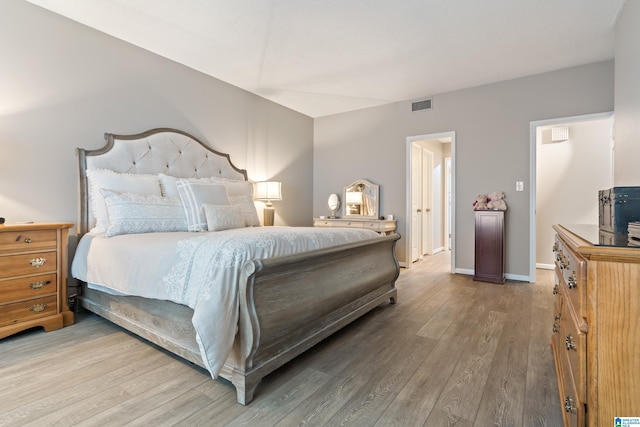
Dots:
pixel 327 57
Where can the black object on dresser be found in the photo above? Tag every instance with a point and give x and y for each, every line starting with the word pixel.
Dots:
pixel 489 246
pixel 617 207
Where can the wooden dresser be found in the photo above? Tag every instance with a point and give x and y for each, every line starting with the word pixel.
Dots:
pixel 380 226
pixel 33 277
pixel 596 328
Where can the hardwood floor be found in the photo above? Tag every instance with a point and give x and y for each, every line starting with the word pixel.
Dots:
pixel 451 352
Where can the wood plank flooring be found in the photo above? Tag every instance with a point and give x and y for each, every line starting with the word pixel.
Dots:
pixel 451 352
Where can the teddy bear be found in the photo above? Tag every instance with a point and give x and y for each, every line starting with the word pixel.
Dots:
pixel 496 201
pixel 481 203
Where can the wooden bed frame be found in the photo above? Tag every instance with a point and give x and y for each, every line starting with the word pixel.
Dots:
pixel 287 304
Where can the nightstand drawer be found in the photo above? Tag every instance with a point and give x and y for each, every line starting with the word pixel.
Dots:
pixel 28 240
pixel 24 264
pixel 27 287
pixel 28 309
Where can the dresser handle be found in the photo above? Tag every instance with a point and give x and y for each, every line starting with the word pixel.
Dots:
pixel 37 308
pixel 555 247
pixel 556 328
pixel 573 282
pixel 37 262
pixel 555 289
pixel 570 343
pixel 27 240
pixel 568 405
pixel 39 285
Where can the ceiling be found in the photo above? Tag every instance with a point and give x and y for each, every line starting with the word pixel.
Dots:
pixel 322 57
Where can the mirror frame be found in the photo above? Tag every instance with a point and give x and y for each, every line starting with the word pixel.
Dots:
pixel 333 207
pixel 372 190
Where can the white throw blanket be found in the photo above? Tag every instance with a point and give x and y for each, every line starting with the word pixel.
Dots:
pixel 200 270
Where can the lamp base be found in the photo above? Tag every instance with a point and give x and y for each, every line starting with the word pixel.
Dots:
pixel 269 215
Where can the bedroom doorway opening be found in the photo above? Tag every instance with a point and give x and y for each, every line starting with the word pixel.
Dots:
pixel 573 153
pixel 430 197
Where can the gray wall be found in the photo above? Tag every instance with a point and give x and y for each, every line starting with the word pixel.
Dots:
pixel 63 85
pixel 492 149
pixel 627 96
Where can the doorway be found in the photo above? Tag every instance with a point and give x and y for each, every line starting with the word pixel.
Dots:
pixel 430 196
pixel 578 160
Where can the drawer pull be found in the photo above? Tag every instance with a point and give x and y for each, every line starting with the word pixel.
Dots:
pixel 37 262
pixel 556 328
pixel 27 240
pixel 573 282
pixel 39 285
pixel 570 343
pixel 568 405
pixel 37 308
pixel 555 290
pixel 555 247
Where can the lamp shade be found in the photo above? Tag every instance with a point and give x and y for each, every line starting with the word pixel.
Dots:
pixel 268 190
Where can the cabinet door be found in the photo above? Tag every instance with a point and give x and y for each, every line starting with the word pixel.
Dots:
pixel 489 246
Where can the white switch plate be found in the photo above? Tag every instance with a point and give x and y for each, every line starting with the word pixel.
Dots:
pixel 519 186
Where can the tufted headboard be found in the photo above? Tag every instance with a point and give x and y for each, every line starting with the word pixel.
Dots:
pixel 155 151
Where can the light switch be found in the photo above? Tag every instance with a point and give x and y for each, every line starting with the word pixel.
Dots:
pixel 519 186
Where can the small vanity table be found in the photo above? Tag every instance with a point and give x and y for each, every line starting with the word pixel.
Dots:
pixel 380 226
pixel 361 207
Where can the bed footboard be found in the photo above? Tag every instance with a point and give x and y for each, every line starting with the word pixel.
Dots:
pixel 291 303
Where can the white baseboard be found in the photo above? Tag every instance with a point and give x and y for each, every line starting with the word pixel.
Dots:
pixel 508 276
pixel 545 266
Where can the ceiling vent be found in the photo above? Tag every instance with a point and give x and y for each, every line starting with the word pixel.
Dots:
pixel 560 134
pixel 422 105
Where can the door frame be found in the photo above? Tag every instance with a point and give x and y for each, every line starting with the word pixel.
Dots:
pixel 409 141
pixel 533 128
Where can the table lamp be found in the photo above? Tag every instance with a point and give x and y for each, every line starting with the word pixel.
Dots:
pixel 268 191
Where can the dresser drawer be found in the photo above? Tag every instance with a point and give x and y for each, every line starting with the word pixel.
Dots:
pixel 28 309
pixel 31 263
pixel 573 276
pixel 374 225
pixel 572 404
pixel 27 287
pixel 574 345
pixel 28 240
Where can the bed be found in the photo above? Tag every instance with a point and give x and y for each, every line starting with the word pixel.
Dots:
pixel 281 303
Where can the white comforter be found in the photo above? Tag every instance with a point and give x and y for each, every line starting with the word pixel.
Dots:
pixel 200 270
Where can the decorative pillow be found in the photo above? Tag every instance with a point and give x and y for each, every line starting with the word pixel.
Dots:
pixel 223 217
pixel 131 213
pixel 168 184
pixel 248 210
pixel 235 188
pixel 122 182
pixel 194 195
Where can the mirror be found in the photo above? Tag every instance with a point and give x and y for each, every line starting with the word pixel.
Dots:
pixel 361 199
pixel 334 204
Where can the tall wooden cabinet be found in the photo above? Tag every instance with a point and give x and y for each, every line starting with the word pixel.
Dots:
pixel 596 328
pixel 489 246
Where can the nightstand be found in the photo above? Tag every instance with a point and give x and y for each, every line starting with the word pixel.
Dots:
pixel 33 277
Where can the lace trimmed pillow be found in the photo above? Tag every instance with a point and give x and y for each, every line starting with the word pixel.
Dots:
pixel 99 179
pixel 223 217
pixel 195 194
pixel 131 213
pixel 241 193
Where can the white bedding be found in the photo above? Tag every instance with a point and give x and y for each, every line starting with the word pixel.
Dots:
pixel 200 270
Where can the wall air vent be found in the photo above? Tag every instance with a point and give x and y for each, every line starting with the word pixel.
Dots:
pixel 422 105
